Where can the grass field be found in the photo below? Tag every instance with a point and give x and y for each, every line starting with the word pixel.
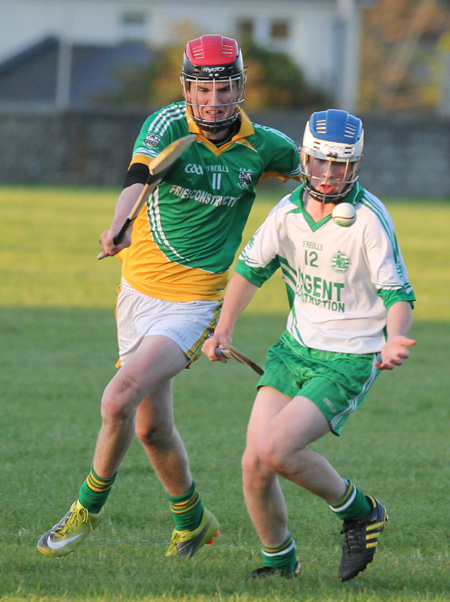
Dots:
pixel 58 350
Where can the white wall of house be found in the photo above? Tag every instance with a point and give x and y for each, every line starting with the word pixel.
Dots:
pixel 322 36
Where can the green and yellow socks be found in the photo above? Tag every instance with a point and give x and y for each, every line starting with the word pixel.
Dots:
pixel 94 491
pixel 283 558
pixel 186 509
pixel 352 505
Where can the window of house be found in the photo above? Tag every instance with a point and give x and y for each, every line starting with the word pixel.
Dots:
pixel 279 30
pixel 245 29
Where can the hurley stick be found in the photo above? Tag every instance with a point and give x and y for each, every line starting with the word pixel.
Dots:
pixel 157 168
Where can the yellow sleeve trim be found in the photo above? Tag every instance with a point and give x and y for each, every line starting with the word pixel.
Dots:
pixel 140 158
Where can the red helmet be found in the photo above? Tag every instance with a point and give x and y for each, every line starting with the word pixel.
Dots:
pixel 213 58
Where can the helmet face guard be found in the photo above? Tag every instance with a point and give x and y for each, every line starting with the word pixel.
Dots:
pixel 213 81
pixel 331 154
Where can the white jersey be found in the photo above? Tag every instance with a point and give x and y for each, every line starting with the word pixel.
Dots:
pixel 340 281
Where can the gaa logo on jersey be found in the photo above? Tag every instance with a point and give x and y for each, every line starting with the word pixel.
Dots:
pixel 340 262
pixel 193 168
pixel 245 177
pixel 152 140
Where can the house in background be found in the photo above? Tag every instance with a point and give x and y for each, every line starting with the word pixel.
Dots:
pixel 55 72
pixel 66 53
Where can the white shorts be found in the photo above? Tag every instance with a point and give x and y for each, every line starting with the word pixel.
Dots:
pixel 139 316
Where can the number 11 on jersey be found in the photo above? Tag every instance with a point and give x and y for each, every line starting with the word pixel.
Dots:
pixel 216 179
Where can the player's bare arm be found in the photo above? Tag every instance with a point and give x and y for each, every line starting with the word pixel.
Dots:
pixel 125 202
pixel 239 294
pixel 396 349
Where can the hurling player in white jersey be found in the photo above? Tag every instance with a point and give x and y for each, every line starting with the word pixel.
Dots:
pixel 351 309
pixel 175 262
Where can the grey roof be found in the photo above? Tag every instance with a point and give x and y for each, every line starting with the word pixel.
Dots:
pixel 31 76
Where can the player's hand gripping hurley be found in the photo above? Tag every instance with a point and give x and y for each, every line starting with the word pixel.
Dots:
pixel 231 353
pixel 157 168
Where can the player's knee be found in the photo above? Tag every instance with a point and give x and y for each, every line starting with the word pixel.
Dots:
pixel 249 463
pixel 113 410
pixel 272 455
pixel 154 435
pixel 120 400
pixel 254 472
pixel 115 407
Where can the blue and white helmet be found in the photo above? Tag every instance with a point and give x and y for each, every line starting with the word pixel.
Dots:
pixel 333 136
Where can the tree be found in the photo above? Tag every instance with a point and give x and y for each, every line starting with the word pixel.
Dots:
pixel 400 58
pixel 274 81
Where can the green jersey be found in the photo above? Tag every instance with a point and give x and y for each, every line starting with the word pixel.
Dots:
pixel 187 235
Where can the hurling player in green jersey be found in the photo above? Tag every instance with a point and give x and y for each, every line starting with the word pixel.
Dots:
pixel 175 262
pixel 351 309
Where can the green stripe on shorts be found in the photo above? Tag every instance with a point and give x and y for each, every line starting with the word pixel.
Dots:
pixel 336 382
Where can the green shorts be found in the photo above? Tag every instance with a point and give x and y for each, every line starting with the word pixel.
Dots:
pixel 336 382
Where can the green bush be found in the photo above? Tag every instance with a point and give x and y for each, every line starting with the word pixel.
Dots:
pixel 274 81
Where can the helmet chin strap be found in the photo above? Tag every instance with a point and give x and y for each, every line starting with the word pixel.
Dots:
pixel 216 126
pixel 228 131
pixel 328 198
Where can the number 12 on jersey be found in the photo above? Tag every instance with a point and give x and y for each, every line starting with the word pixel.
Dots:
pixel 311 258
